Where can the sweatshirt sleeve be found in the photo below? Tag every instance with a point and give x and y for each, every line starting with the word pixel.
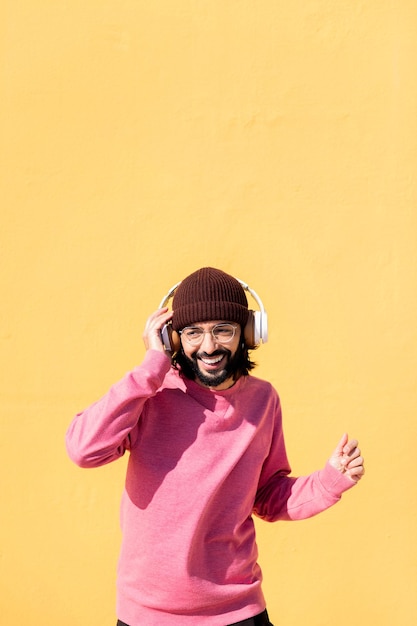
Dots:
pixel 283 497
pixel 104 431
pixel 290 498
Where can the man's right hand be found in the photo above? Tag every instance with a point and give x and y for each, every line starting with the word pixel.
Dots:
pixel 152 333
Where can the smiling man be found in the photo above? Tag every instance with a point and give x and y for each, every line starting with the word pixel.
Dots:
pixel 207 453
pixel 210 311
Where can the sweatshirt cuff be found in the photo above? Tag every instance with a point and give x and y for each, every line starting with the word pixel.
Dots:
pixel 334 481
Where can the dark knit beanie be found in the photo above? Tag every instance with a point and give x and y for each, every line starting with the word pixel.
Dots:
pixel 209 294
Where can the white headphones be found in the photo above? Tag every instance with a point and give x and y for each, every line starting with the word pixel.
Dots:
pixel 255 331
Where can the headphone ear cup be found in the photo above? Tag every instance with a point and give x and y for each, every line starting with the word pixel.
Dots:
pixel 175 341
pixel 253 332
pixel 264 326
pixel 249 331
pixel 170 338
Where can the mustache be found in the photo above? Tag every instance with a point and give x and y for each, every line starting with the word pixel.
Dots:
pixel 215 353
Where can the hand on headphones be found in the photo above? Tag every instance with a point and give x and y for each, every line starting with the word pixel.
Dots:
pixel 152 333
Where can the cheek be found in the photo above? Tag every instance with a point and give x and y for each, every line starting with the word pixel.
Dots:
pixel 189 351
pixel 235 345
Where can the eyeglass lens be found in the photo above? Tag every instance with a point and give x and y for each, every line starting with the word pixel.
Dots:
pixel 222 333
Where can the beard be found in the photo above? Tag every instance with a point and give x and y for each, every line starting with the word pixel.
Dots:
pixel 218 377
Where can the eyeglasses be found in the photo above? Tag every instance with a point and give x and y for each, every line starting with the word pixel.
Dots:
pixel 222 333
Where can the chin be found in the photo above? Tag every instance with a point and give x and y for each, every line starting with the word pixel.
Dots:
pixel 213 380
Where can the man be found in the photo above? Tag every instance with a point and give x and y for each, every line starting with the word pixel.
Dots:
pixel 206 452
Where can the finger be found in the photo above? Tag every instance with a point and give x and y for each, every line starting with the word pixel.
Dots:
pixel 350 447
pixel 356 462
pixel 356 473
pixel 350 453
pixel 350 456
pixel 158 319
pixel 156 315
pixel 354 454
pixel 341 445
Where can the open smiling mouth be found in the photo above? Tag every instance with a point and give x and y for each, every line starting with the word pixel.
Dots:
pixel 213 361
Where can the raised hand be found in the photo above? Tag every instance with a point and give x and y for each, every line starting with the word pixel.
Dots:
pixel 152 333
pixel 347 458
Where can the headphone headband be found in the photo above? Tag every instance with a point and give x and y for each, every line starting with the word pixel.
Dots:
pixel 169 295
pixel 253 294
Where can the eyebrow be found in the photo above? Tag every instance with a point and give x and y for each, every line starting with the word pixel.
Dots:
pixel 213 326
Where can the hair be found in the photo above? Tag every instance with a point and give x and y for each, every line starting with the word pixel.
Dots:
pixel 243 363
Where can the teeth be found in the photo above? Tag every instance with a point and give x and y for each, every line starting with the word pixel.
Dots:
pixel 212 361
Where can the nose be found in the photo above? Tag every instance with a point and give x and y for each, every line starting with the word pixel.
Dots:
pixel 209 343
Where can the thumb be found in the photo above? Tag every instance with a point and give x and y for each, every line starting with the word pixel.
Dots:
pixel 341 444
pixel 336 460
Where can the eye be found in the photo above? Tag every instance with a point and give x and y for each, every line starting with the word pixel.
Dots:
pixel 223 331
pixel 193 333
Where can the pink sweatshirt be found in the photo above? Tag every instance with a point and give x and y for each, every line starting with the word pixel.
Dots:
pixel 201 463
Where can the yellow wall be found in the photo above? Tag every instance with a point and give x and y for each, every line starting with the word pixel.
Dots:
pixel 276 140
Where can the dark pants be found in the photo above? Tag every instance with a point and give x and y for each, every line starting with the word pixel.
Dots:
pixel 259 620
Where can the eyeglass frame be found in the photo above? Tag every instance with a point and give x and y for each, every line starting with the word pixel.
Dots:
pixel 204 332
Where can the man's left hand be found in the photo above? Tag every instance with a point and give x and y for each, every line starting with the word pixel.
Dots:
pixel 347 458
